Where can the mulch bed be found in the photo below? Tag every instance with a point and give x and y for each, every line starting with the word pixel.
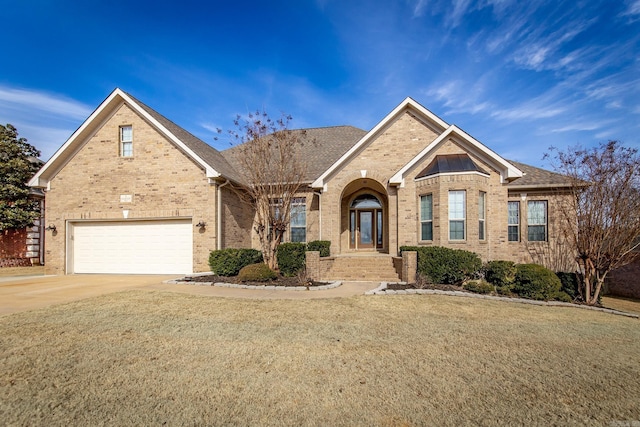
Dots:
pixel 280 281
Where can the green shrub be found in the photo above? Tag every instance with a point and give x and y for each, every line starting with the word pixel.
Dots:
pixel 536 282
pixel 478 287
pixel 569 283
pixel 256 273
pixel 500 273
pixel 444 265
pixel 504 290
pixel 562 296
pixel 322 246
pixel 229 262
pixel 291 258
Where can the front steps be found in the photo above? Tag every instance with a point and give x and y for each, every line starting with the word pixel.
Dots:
pixel 361 267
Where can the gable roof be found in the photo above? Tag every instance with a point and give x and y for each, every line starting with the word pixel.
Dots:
pixel 203 150
pixel 508 171
pixel 407 104
pixel 214 164
pixel 450 163
pixel 320 147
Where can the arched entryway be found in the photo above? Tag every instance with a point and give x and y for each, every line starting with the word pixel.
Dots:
pixel 364 217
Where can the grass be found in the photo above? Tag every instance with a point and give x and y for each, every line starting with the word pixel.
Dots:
pixel 623 304
pixel 150 358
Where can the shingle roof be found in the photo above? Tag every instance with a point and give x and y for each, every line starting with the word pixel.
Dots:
pixel 206 152
pixel 450 163
pixel 321 147
pixel 537 177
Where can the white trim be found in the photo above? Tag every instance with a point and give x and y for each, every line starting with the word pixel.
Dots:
pixel 114 100
pixel 408 103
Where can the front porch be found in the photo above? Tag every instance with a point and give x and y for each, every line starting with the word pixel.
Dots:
pixel 362 266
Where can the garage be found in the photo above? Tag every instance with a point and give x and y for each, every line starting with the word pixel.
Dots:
pixel 131 247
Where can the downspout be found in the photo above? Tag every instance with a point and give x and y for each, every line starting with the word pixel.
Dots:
pixel 319 193
pixel 397 248
pixel 219 214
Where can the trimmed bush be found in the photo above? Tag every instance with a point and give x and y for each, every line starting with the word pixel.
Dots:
pixel 256 273
pixel 536 282
pixel 569 283
pixel 478 287
pixel 444 265
pixel 229 262
pixel 500 273
pixel 562 296
pixel 291 258
pixel 504 290
pixel 322 246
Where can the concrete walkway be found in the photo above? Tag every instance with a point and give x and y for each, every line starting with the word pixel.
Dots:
pixel 29 293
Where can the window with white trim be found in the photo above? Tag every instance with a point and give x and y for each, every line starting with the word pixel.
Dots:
pixel 482 215
pixel 457 214
pixel 126 141
pixel 513 228
pixel 426 217
pixel 537 220
pixel 299 219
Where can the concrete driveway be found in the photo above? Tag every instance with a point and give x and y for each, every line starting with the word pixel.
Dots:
pixel 28 293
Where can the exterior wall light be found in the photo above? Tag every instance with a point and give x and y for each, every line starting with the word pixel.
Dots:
pixel 201 224
pixel 51 227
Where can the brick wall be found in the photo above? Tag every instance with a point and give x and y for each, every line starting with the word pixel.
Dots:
pixel 625 281
pixel 13 243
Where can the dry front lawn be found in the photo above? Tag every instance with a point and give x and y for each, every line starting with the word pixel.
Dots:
pixel 154 358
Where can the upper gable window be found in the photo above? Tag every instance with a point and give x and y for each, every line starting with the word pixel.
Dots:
pixel 126 141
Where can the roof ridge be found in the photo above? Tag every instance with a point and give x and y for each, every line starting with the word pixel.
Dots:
pixel 166 118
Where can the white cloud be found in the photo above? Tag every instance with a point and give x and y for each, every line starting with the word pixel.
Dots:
pixel 418 8
pixel 46 120
pixel 585 126
pixel 22 99
pixel 459 97
pixel 632 11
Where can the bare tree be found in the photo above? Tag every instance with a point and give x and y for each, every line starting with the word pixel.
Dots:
pixel 269 159
pixel 601 219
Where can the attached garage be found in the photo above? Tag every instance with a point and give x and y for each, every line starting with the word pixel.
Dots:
pixel 131 247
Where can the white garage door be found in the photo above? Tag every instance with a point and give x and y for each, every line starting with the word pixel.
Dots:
pixel 134 247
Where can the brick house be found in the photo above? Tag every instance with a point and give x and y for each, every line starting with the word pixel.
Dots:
pixel 132 192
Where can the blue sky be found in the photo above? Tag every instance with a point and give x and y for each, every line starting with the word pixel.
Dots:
pixel 519 76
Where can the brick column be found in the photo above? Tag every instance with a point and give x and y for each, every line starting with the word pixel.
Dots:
pixel 409 266
pixel 312 261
